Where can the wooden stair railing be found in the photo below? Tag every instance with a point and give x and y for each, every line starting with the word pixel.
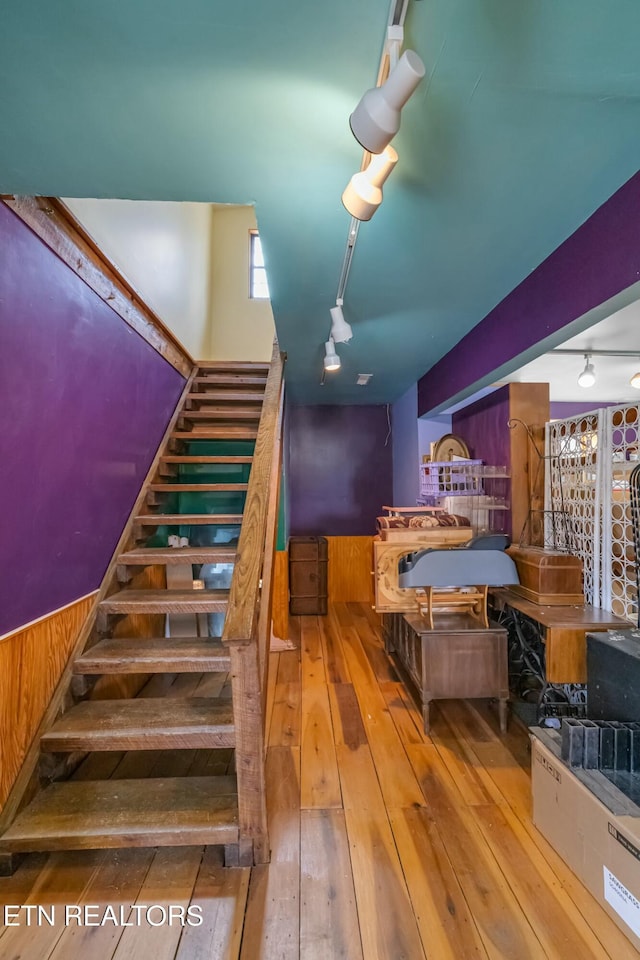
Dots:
pixel 247 625
pixel 186 807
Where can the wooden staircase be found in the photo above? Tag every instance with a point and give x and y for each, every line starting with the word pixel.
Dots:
pixel 222 452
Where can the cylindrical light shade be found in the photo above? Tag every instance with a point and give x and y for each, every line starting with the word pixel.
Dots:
pixel 363 194
pixel 635 381
pixel 331 359
pixel 340 330
pixel 376 119
pixel 588 376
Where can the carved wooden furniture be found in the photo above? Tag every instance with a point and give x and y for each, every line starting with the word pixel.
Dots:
pixel 457 658
pixel 473 599
pixel 389 596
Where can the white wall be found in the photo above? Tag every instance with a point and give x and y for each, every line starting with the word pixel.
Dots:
pixel 240 328
pixel 190 263
pixel 163 249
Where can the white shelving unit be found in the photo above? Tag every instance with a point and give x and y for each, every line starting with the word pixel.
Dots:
pixel 471 489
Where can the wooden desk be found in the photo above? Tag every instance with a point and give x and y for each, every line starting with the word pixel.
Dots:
pixel 563 631
pixel 457 658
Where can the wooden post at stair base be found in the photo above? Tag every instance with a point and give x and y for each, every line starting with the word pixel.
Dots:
pixel 247 716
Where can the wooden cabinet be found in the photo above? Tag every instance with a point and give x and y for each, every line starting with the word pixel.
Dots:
pixel 456 659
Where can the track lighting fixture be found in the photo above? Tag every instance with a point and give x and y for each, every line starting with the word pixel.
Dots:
pixel 331 358
pixel 363 194
pixel 340 330
pixel 588 376
pixel 376 119
pixel 374 123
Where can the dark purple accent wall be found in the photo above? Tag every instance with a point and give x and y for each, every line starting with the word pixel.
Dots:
pixel 340 473
pixel 561 409
pixel 483 427
pixel 598 261
pixel 84 402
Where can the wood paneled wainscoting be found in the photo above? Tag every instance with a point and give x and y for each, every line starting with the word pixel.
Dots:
pixel 280 608
pixel 350 566
pixel 32 660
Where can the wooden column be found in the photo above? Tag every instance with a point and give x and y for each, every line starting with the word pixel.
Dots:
pixel 528 402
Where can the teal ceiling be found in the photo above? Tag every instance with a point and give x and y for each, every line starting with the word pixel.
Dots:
pixel 528 120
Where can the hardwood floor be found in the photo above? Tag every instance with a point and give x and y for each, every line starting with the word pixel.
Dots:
pixel 386 844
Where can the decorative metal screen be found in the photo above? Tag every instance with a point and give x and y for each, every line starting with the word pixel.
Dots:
pixel 587 502
pixel 620 428
pixel 572 501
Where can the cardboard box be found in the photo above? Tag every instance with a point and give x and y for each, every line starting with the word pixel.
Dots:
pixel 594 827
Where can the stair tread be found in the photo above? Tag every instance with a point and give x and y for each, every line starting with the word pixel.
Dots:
pixel 221 366
pixel 184 519
pixel 222 413
pixel 220 431
pixel 226 396
pixel 148 723
pixel 170 555
pixel 155 655
pixel 197 487
pixel 186 458
pixel 232 379
pixel 114 813
pixel 166 601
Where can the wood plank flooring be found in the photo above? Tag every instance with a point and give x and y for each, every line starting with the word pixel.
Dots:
pixel 386 844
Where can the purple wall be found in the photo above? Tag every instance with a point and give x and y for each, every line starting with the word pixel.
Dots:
pixel 340 472
pixel 595 263
pixel 85 401
pixel 483 427
pixel 561 409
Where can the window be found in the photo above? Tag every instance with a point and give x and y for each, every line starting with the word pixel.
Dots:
pixel 258 283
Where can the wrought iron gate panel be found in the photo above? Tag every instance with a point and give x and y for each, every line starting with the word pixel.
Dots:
pixel 620 455
pixel 572 505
